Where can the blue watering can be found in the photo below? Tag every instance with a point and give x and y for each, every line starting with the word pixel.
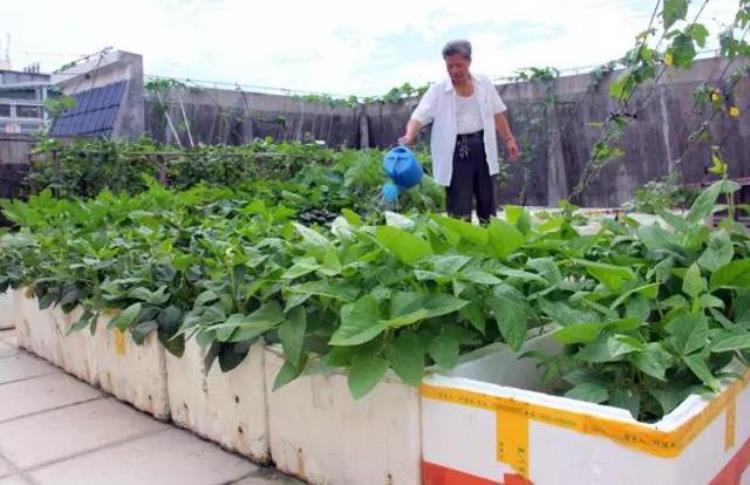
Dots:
pixel 404 169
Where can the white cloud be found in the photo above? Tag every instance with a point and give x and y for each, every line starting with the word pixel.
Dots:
pixel 331 46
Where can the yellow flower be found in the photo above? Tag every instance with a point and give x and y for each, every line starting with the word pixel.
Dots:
pixel 716 96
pixel 734 111
pixel 668 59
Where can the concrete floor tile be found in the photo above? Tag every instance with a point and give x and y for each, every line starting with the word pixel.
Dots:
pixel 23 366
pixel 14 480
pixel 173 457
pixel 5 468
pixel 46 437
pixel 42 393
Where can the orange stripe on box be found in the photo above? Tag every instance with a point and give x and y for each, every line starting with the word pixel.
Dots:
pixel 433 474
pixel 732 472
pixel 633 435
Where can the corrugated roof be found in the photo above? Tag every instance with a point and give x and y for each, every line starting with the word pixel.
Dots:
pixel 94 114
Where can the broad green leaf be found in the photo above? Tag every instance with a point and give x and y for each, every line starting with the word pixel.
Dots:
pixel 732 343
pixel 360 323
pixel 698 365
pixel 638 307
pixel 518 217
pixel 406 356
pixel 292 334
pixel 690 332
pixel 710 301
pixel 628 399
pixel 588 391
pixel 579 333
pixel 547 268
pixel 597 352
pixel 288 373
pixel 705 202
pixel 619 345
pixel 693 283
pixel 671 397
pixel 611 276
pixel 406 246
pixel 504 239
pixel 86 319
pixel 479 277
pixel 312 238
pixel 699 33
pixel 239 327
pixel 410 308
pixel 474 313
pixel 719 252
pixel 564 314
pixel 351 217
pixel 657 239
pixel 126 318
pixel 204 298
pixel 511 313
pixel 302 267
pixel 733 275
pixel 650 291
pixel 522 275
pixel 338 291
pixel 364 374
pixel 654 361
pixel 467 230
pixel 444 350
pixel 449 264
pixel 673 11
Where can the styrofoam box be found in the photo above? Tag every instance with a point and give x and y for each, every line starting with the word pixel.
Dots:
pixel 8 313
pixel 37 330
pixel 77 347
pixel 488 424
pixel 227 408
pixel 321 434
pixel 133 373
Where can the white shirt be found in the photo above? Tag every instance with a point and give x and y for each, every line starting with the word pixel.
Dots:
pixel 468 115
pixel 438 106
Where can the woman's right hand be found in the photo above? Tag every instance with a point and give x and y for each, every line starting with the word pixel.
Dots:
pixel 406 140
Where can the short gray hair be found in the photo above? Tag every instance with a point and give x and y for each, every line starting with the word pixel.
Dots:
pixel 460 47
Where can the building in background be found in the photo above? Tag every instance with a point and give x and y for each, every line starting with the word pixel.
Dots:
pixel 22 98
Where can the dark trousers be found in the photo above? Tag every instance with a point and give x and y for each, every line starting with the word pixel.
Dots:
pixel 471 179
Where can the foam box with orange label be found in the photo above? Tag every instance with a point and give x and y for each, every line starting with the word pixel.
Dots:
pixel 487 423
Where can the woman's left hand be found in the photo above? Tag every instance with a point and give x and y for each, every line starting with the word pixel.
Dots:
pixel 513 151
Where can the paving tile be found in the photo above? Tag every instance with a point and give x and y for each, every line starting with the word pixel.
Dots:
pixel 173 457
pixel 5 468
pixel 46 437
pixel 6 349
pixel 14 480
pixel 23 366
pixel 42 393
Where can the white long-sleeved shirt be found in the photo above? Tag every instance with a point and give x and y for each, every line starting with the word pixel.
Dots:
pixel 438 106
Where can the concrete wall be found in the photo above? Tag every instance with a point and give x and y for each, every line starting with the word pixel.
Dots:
pixel 233 117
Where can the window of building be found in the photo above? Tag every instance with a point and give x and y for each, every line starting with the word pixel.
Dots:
pixel 28 111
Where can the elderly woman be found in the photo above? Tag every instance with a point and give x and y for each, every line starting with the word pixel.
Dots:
pixel 465 111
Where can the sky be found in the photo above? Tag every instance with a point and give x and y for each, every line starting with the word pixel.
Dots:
pixel 326 46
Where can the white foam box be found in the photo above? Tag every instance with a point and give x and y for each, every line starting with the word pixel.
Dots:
pixel 488 424
pixel 136 374
pixel 227 408
pixel 37 330
pixel 77 347
pixel 321 434
pixel 8 313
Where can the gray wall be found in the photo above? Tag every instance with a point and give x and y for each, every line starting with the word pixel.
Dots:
pixel 233 117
